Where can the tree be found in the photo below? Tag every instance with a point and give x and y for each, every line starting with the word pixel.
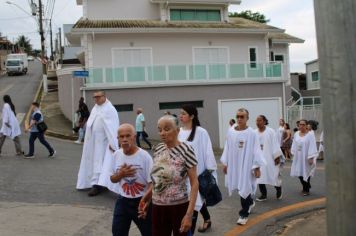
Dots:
pixel 255 16
pixel 24 43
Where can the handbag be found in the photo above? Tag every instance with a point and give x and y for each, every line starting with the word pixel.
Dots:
pixel 42 127
pixel 209 189
pixel 145 134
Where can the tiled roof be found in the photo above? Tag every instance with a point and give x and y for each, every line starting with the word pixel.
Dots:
pixel 284 38
pixel 235 23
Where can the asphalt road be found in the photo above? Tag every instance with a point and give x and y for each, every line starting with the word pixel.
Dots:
pixel 52 181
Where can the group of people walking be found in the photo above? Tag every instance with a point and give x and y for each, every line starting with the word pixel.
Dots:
pixel 11 128
pixel 160 193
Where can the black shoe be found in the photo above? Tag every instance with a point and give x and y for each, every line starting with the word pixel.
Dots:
pixel 279 193
pixel 29 156
pixel 205 226
pixel 52 154
pixel 96 190
pixel 262 198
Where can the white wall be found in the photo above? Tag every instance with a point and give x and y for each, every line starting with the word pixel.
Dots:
pixel 314 66
pixel 120 9
pixel 176 48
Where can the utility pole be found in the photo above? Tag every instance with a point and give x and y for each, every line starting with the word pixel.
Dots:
pixel 60 45
pixel 50 26
pixel 44 66
pixel 336 34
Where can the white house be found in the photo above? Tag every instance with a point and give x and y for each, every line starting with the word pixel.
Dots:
pixel 159 54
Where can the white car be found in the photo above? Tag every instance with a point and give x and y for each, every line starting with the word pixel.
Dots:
pixel 30 58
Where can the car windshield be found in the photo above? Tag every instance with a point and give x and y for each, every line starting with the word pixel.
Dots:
pixel 13 63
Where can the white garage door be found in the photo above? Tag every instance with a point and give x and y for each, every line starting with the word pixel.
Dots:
pixel 270 107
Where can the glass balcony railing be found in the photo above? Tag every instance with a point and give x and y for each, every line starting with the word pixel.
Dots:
pixel 163 74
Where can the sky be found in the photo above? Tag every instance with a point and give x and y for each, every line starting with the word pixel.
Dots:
pixel 296 17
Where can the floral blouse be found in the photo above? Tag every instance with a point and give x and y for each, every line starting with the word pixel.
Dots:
pixel 169 173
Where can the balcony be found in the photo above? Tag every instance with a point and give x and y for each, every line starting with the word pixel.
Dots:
pixel 184 74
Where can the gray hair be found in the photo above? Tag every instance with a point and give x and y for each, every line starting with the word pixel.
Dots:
pixel 170 118
pixel 244 110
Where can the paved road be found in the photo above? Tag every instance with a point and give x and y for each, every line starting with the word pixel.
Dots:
pixel 30 190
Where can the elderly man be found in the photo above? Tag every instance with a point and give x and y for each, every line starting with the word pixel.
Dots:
pixel 140 128
pixel 242 159
pixel 132 176
pixel 97 161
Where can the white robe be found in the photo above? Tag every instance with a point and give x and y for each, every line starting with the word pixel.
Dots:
pixel 321 145
pixel 303 149
pixel 242 154
pixel 279 134
pixel 203 152
pixel 270 173
pixel 97 160
pixel 8 116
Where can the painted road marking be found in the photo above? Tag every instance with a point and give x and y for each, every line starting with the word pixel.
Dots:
pixel 280 211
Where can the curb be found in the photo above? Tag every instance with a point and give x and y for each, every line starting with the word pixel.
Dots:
pixel 257 225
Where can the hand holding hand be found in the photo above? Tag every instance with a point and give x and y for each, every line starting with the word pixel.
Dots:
pixel 143 208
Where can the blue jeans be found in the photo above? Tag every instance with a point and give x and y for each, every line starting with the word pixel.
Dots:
pixel 138 134
pixel 40 136
pixel 126 210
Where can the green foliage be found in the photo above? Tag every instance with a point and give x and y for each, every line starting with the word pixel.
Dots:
pixel 24 42
pixel 255 16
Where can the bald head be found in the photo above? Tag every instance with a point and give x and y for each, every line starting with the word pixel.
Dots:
pixel 127 138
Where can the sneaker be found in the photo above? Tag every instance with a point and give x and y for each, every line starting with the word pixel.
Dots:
pixel 53 154
pixel 306 193
pixel 28 156
pixel 261 198
pixel 251 206
pixel 242 220
pixel 279 193
pixel 78 142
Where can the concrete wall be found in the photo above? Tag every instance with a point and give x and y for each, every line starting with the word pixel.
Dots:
pixel 66 102
pixel 177 48
pixel 149 99
pixel 118 9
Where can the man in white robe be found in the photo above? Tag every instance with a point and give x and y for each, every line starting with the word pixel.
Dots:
pixel 242 159
pixel 97 159
pixel 270 173
pixel 10 126
pixel 304 153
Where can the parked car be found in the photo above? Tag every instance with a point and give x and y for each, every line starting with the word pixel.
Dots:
pixel 30 58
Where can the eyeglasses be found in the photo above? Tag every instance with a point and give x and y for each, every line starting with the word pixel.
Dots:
pixel 240 117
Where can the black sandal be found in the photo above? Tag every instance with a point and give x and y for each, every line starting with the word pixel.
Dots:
pixel 205 227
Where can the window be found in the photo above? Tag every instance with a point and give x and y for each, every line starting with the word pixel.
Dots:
pixel 210 63
pixel 279 58
pixel 271 56
pixel 253 57
pixel 178 105
pixel 194 15
pixel 124 107
pixel 315 76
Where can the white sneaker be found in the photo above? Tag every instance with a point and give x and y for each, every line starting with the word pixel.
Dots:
pixel 53 154
pixel 251 206
pixel 242 220
pixel 29 157
pixel 77 142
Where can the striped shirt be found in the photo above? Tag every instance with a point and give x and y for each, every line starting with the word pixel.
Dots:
pixel 169 173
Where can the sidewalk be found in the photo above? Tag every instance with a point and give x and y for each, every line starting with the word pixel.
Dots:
pixel 313 224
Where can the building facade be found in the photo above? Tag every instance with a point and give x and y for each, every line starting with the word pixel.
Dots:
pixel 158 55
